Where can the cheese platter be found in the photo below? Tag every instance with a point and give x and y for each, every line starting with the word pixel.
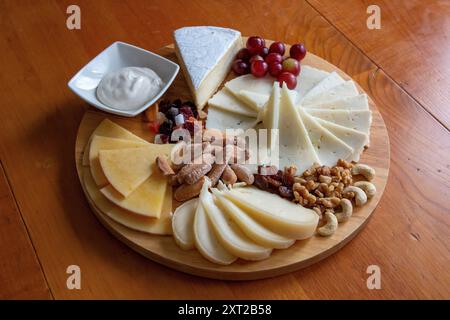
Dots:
pixel 227 220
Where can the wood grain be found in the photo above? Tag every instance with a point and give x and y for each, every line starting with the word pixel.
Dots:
pixel 408 236
pixel 411 47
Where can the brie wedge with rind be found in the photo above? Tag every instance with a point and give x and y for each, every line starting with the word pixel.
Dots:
pixel 183 224
pixel 275 213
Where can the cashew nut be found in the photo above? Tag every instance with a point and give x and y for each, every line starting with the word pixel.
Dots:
pixel 360 195
pixel 368 187
pixel 331 225
pixel 347 210
pixel 364 170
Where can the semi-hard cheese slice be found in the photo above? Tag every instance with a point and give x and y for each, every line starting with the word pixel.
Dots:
pixel 205 238
pixel 161 226
pixel 328 147
pixel 355 139
pixel 229 234
pixel 106 143
pixel 344 90
pixel 221 120
pixel 250 83
pixel 228 102
pixel 126 169
pixel 205 54
pixel 271 116
pixel 330 81
pixel 252 229
pixel 107 128
pixel 359 102
pixel 359 120
pixel 253 99
pixel 308 78
pixel 183 224
pixel 146 200
pixel 275 213
pixel 295 146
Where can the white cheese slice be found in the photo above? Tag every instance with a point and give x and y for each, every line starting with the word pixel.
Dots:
pixel 330 81
pixel 271 115
pixel 183 224
pixel 355 139
pixel 275 213
pixel 252 229
pixel 359 102
pixel 295 146
pixel 253 99
pixel 205 238
pixel 222 120
pixel 228 102
pixel 308 78
pixel 206 54
pixel 328 147
pixel 344 90
pixel 250 83
pixel 230 235
pixel 359 120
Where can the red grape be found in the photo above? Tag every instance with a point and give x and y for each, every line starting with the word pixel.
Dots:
pixel 288 78
pixel 297 51
pixel 291 65
pixel 259 68
pixel 264 51
pixel 275 69
pixel 240 67
pixel 273 57
pixel 243 54
pixel 255 44
pixel 255 58
pixel 277 47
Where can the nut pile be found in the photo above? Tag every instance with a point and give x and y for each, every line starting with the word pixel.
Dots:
pixel 217 160
pixel 329 191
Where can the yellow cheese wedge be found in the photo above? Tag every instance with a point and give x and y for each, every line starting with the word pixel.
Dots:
pixel 206 241
pixel 146 200
pixel 275 213
pixel 161 226
pixel 230 235
pixel 107 128
pixel 126 169
pixel 183 224
pixel 252 229
pixel 106 143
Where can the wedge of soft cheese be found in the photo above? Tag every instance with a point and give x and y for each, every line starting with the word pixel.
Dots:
pixel 106 143
pixel 221 120
pixel 355 139
pixel 359 120
pixel 308 78
pixel 225 100
pixel 147 199
pixel 328 147
pixel 206 54
pixel 107 128
pixel 252 229
pixel 205 238
pixel 183 224
pixel 359 102
pixel 126 169
pixel 341 91
pixel 330 81
pixel 161 226
pixel 275 213
pixel 295 147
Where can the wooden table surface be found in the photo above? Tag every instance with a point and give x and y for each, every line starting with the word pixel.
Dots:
pixel 46 224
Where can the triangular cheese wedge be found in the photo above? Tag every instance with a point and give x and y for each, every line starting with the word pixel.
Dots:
pixel 221 120
pixel 343 90
pixel 328 147
pixel 254 100
pixel 146 200
pixel 359 120
pixel 205 55
pixel 359 102
pixel 183 224
pixel 249 83
pixel 330 81
pixel 105 143
pixel 126 169
pixel 107 128
pixel 272 115
pixel 308 78
pixel 228 102
pixel 161 226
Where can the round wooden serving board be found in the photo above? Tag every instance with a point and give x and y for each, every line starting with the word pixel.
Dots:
pixel 163 249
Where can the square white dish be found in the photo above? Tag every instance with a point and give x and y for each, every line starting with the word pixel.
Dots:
pixel 120 55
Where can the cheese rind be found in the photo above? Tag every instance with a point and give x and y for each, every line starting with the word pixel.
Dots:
pixel 228 102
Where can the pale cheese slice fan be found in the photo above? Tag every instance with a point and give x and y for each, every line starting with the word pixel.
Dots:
pixel 161 226
pixel 126 169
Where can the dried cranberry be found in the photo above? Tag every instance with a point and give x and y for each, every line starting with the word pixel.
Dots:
pixel 166 127
pixel 285 192
pixel 164 138
pixel 172 113
pixel 186 112
pixel 154 126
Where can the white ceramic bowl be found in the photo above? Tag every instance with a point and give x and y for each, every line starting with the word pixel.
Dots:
pixel 116 56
